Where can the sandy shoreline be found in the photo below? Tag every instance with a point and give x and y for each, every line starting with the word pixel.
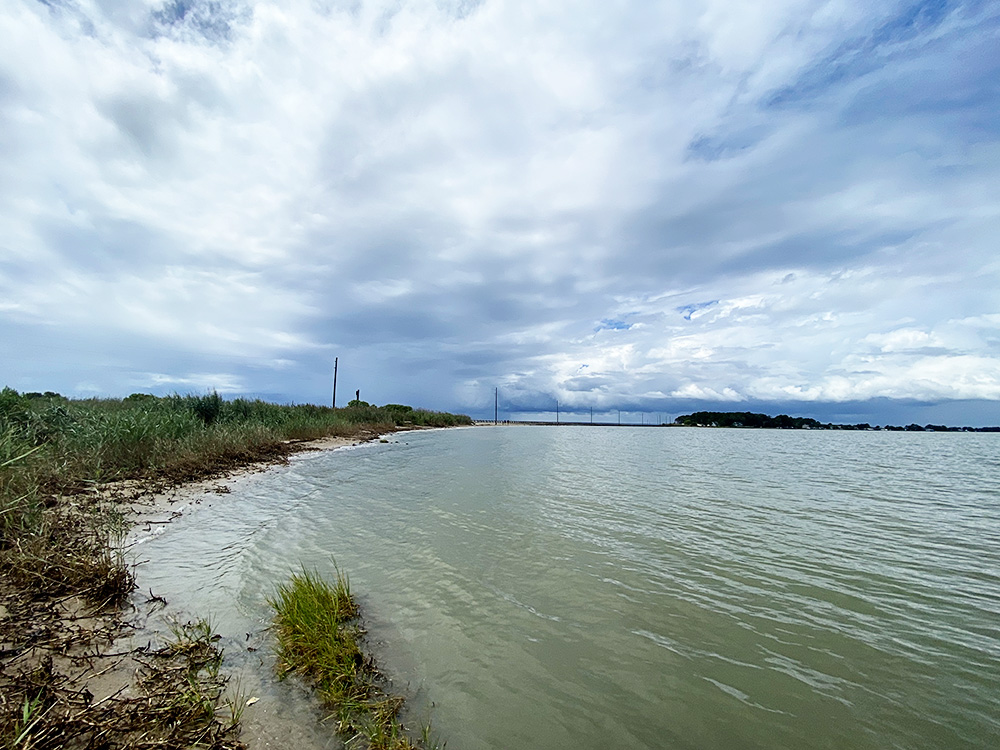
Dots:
pixel 269 722
pixel 261 728
pixel 93 652
pixel 264 725
pixel 166 505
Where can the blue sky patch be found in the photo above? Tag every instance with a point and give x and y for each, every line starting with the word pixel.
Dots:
pixel 610 324
pixel 861 55
pixel 687 310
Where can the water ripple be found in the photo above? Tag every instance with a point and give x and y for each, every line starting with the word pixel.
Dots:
pixel 683 588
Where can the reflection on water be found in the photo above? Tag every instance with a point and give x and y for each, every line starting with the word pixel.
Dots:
pixel 580 587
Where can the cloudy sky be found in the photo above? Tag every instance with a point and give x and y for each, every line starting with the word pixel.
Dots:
pixel 791 205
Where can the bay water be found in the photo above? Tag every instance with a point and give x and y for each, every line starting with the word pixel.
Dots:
pixel 612 587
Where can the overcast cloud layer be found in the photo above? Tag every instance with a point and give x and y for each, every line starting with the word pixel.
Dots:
pixel 785 205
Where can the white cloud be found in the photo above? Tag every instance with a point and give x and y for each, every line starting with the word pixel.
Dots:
pixel 223 383
pixel 903 339
pixel 694 391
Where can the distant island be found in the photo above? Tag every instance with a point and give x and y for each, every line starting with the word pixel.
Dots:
pixel 785 422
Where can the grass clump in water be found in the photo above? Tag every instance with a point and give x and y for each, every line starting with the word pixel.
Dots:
pixel 319 637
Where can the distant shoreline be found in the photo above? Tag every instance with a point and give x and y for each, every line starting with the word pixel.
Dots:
pixel 733 420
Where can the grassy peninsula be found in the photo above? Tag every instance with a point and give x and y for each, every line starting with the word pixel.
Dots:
pixel 68 469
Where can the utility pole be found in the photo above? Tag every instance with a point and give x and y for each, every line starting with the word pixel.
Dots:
pixel 557 412
pixel 334 403
pixel 592 415
pixel 619 417
pixel 496 405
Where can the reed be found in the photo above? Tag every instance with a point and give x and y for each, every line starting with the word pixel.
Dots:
pixel 319 637
pixel 52 445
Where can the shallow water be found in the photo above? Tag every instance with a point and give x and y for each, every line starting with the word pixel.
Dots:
pixel 588 587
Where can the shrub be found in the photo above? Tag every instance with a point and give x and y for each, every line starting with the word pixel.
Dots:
pixel 207 407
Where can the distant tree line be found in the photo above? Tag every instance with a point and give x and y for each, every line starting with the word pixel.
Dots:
pixel 785 422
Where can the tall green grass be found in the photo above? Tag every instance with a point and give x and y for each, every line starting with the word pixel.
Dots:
pixel 52 443
pixel 59 538
pixel 319 637
pixel 52 446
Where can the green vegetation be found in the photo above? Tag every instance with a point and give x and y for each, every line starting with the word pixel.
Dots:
pixel 61 531
pixel 747 419
pixel 51 445
pixel 400 415
pixel 319 637
pixel 785 422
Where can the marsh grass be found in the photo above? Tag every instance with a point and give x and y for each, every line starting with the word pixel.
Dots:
pixel 61 536
pixel 51 446
pixel 319 637
pixel 58 445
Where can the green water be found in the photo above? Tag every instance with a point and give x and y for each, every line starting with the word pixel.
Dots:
pixel 577 587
